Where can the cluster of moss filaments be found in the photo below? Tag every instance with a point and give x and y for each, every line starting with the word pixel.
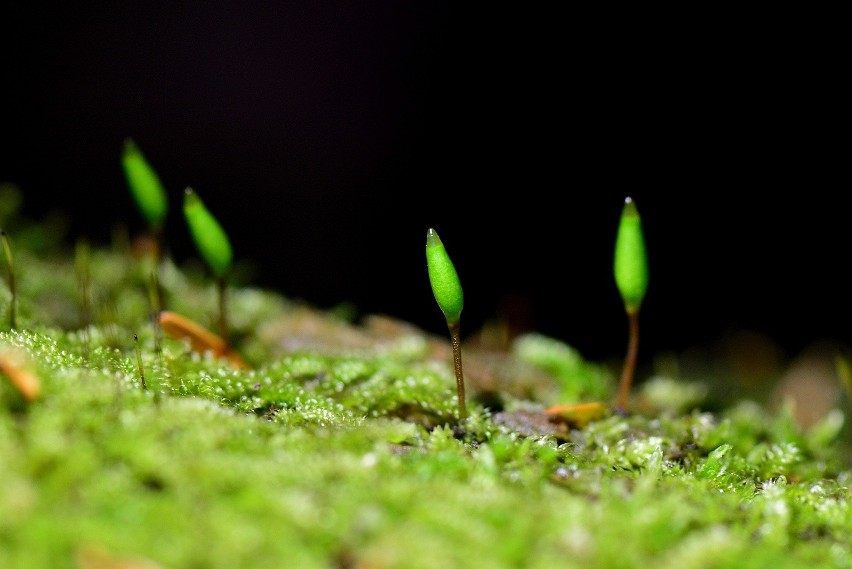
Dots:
pixel 341 455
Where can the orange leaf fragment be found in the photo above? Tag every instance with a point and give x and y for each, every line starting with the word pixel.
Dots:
pixel 97 558
pixel 200 338
pixel 578 414
pixel 13 366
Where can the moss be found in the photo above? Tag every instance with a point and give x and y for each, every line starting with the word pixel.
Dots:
pixel 339 448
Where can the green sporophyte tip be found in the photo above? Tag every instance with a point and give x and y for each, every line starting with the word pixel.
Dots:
pixel 210 239
pixel 144 184
pixel 631 260
pixel 443 277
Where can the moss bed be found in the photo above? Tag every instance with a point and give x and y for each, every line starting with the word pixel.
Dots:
pixel 340 446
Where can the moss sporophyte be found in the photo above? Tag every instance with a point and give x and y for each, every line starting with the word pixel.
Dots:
pixel 210 239
pixel 10 265
pixel 145 186
pixel 447 289
pixel 630 266
pixel 150 197
pixel 334 448
pixel 212 243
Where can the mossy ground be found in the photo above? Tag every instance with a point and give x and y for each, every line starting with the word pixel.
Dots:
pixel 340 447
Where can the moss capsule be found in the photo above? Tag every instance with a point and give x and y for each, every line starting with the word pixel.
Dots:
pixel 443 277
pixel 210 239
pixel 631 260
pixel 144 184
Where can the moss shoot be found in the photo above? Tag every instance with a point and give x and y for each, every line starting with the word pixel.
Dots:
pixel 337 446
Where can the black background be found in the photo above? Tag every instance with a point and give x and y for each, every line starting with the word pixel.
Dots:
pixel 328 137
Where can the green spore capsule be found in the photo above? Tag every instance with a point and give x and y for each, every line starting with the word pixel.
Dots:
pixel 145 185
pixel 443 277
pixel 631 259
pixel 448 292
pixel 210 239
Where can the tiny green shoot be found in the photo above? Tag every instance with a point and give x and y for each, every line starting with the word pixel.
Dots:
pixel 631 277
pixel 447 289
pixel 213 244
pixel 10 266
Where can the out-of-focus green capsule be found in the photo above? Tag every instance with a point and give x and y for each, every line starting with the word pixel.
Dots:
pixel 210 239
pixel 145 185
pixel 631 259
pixel 445 281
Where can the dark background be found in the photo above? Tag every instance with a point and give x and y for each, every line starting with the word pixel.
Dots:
pixel 328 137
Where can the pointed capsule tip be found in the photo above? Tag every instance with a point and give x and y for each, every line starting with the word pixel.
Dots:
pixel 130 148
pixel 190 197
pixel 630 207
pixel 432 237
